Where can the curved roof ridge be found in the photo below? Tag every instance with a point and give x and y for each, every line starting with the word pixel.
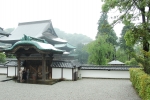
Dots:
pixel 34 22
pixel 39 45
pixel 64 45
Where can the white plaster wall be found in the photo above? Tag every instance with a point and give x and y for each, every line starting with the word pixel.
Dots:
pixel 3 70
pixel 105 74
pixel 76 69
pixel 79 74
pixel 56 73
pixel 67 74
pixel 11 71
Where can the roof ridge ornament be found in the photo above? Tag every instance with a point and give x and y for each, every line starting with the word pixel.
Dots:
pixel 29 38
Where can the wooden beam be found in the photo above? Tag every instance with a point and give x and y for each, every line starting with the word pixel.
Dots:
pixel 7 71
pixel 35 58
pixel 72 74
pixel 15 71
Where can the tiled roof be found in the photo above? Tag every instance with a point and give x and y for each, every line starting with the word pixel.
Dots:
pixel 3 32
pixel 76 63
pixel 2 65
pixel 66 47
pixel 55 64
pixel 38 29
pixel 65 64
pixel 12 63
pixel 61 64
pixel 34 29
pixel 59 40
pixel 91 67
pixel 116 62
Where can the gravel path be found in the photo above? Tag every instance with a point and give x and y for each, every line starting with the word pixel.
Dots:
pixel 3 77
pixel 85 89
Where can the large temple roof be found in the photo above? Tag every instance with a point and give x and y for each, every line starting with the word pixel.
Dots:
pixel 38 29
pixel 3 32
pixel 66 47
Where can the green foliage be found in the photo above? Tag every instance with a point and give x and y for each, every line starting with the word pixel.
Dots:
pixel 73 39
pixel 139 31
pixel 98 51
pixel 82 54
pixel 105 29
pixel 132 62
pixel 108 36
pixel 2 57
pixel 143 60
pixel 121 55
pixel 122 41
pixel 141 82
pixel 77 40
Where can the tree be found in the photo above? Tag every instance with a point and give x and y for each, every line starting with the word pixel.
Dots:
pixel 72 38
pixel 105 29
pixel 98 50
pixel 130 12
pixel 122 43
pixel 121 55
pixel 82 54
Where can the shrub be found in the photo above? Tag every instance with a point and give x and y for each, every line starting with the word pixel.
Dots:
pixel 131 62
pixel 141 82
pixel 2 57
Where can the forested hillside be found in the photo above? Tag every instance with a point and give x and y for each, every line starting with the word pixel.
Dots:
pixel 73 39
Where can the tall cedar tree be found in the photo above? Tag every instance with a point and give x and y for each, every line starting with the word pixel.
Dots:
pixel 98 50
pixel 105 29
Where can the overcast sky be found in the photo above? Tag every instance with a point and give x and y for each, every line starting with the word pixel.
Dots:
pixel 71 16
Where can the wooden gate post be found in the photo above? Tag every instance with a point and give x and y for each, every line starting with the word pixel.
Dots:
pixel 43 67
pixel 19 64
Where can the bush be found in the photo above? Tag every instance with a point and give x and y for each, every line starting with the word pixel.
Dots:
pixel 131 62
pixel 141 82
pixel 2 57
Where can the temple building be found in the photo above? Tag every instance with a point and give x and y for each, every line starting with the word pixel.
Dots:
pixel 3 33
pixel 38 48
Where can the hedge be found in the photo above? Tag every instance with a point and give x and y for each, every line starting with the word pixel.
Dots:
pixel 141 82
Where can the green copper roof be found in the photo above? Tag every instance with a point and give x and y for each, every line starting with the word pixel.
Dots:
pixel 40 44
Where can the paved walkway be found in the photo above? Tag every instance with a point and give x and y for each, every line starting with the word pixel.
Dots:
pixel 85 89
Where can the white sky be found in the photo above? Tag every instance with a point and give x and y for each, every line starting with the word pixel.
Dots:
pixel 71 16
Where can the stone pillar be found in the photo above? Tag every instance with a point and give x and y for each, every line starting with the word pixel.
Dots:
pixel 43 67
